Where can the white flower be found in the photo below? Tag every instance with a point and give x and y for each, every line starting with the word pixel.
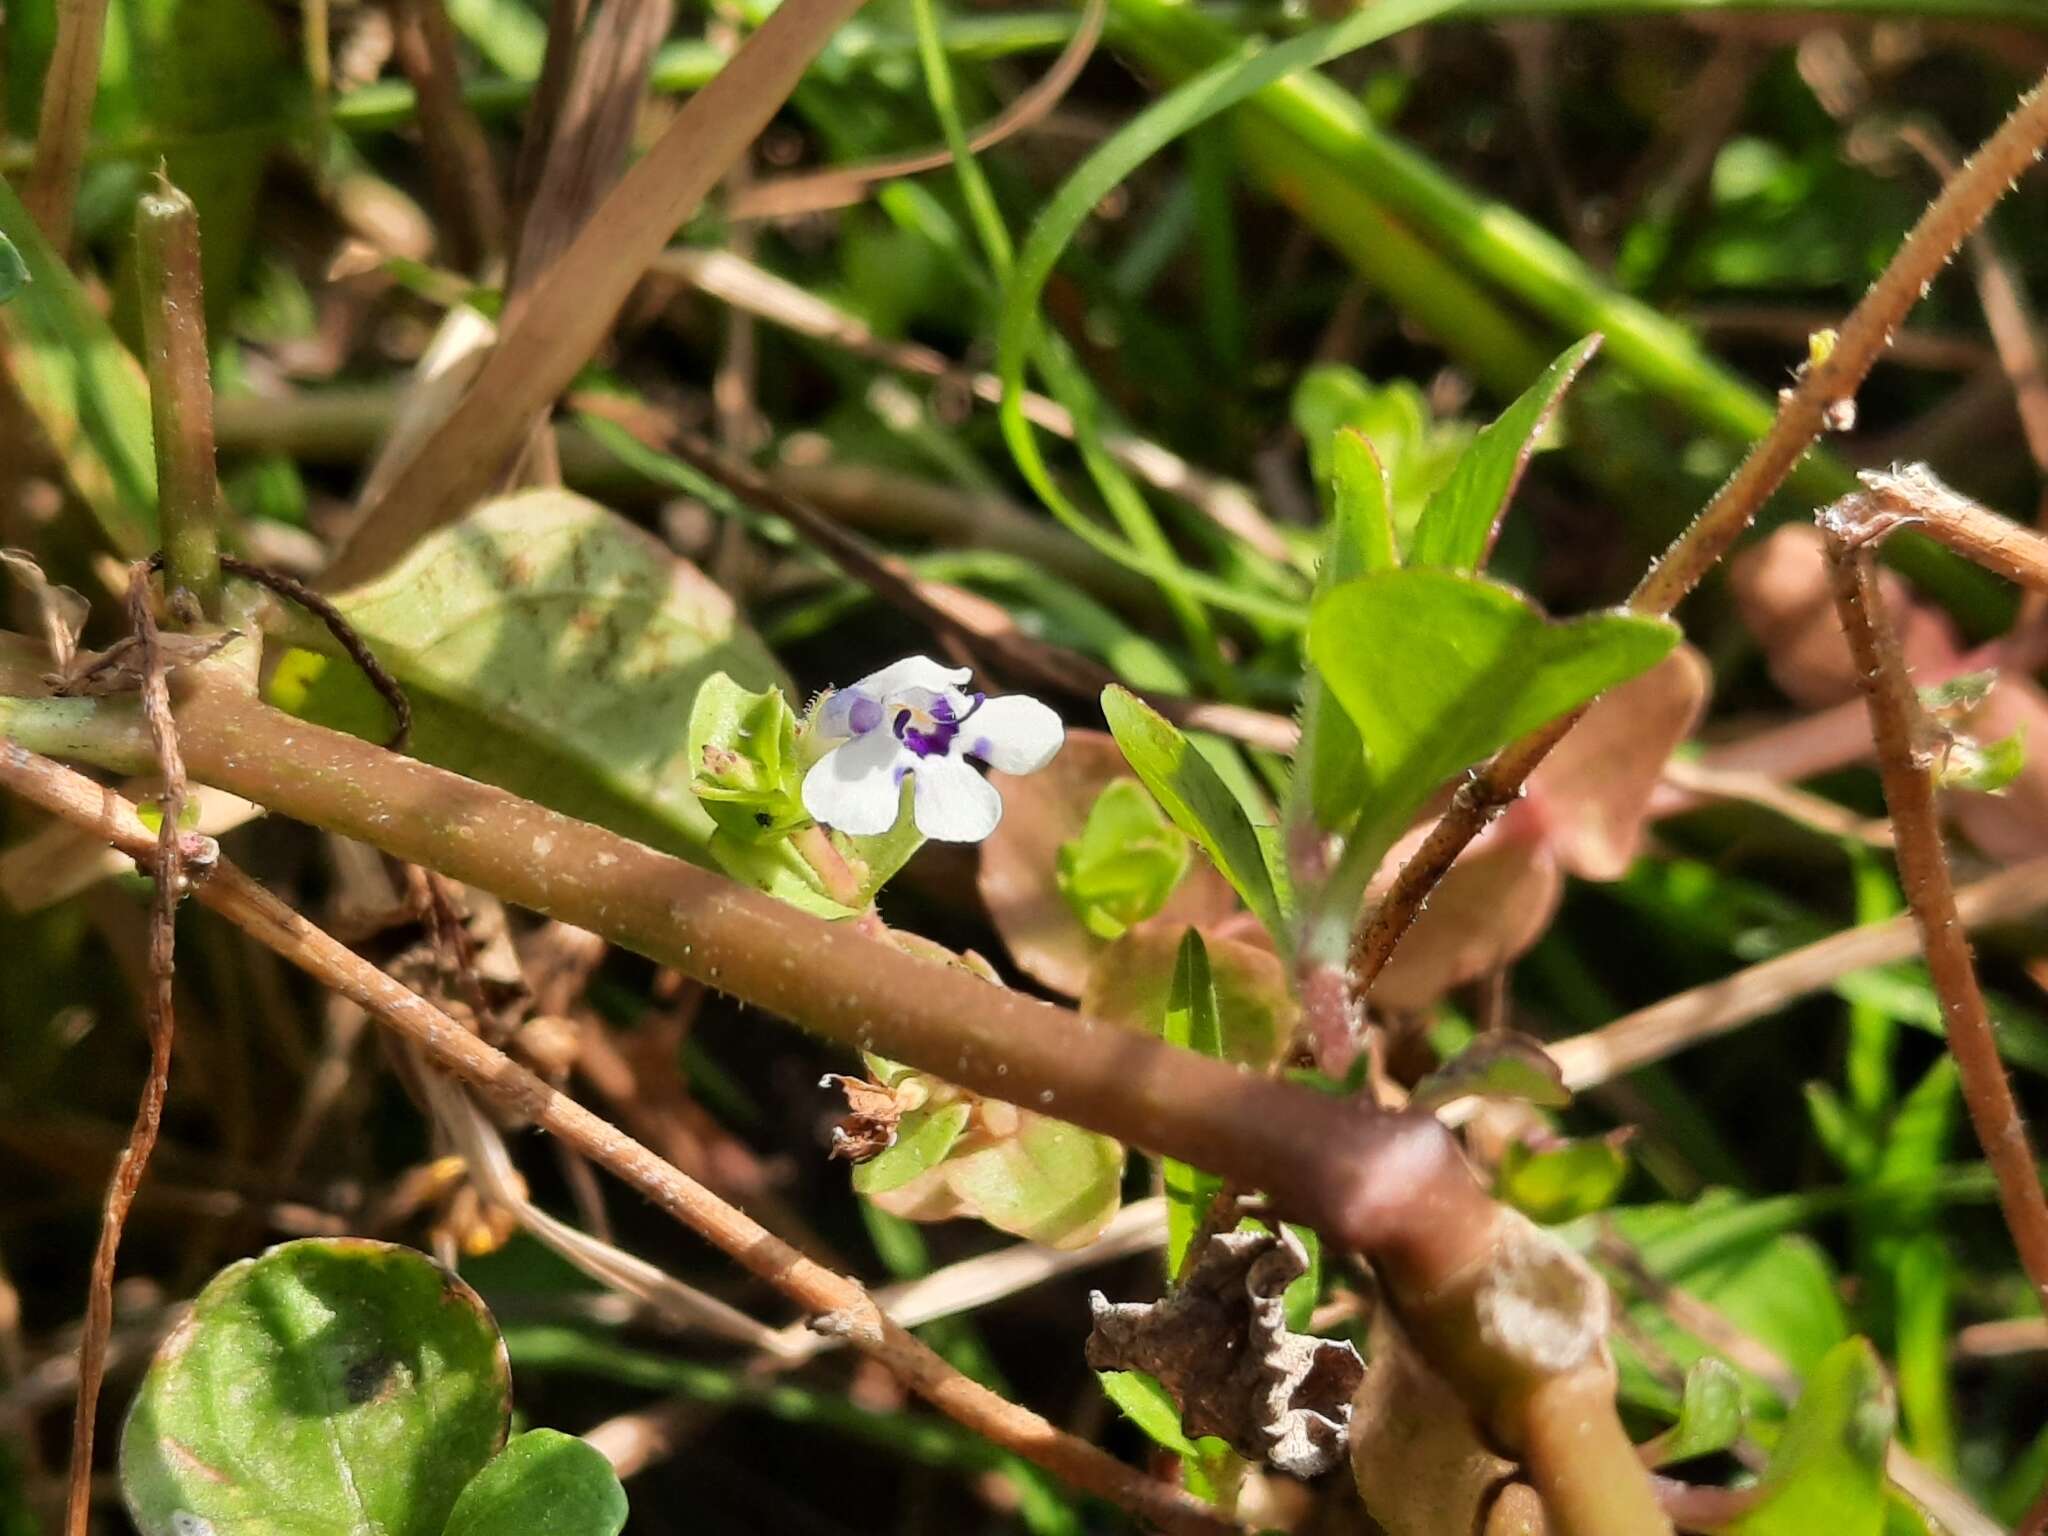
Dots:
pixel 915 720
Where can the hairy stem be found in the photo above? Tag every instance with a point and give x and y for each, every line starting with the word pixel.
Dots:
pixel 838 1302
pixel 1914 498
pixel 1909 793
pixel 1823 388
pixel 180 395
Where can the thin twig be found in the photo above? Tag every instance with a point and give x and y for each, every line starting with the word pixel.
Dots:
pixel 837 1302
pixel 292 590
pixel 837 186
pixel 1909 792
pixel 167 863
pixel 70 86
pixel 1824 388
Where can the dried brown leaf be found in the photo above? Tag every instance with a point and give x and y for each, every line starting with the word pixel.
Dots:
pixel 60 611
pixel 873 1113
pixel 1219 1344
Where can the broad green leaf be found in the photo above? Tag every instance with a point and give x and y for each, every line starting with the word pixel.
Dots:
pixel 1826 1472
pixel 1200 803
pixel 544 1483
pixel 332 1387
pixel 1125 863
pixel 1562 1182
pixel 1439 670
pixel 555 650
pixel 923 1139
pixel 1052 1182
pixel 84 388
pixel 13 270
pixel 1457 526
pixel 743 759
pixel 1710 1415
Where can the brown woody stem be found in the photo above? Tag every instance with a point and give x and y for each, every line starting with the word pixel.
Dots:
pixel 1909 793
pixel 1913 497
pixel 832 1298
pixel 1824 387
pixel 180 395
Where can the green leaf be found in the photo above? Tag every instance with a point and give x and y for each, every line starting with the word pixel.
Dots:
pixel 1361 513
pixel 1416 451
pixel 1457 526
pixel 332 1387
pixel 84 388
pixel 1191 1021
pixel 1052 1182
pixel 1195 796
pixel 1147 1404
pixel 1710 1415
pixel 923 1138
pixel 13 270
pixel 551 648
pixel 1495 1066
pixel 1125 863
pixel 1984 766
pixel 1562 1182
pixel 743 759
pixel 1439 670
pixel 544 1483
pixel 1826 1472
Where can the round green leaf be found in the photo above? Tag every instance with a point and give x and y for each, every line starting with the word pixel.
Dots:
pixel 544 1483
pixel 331 1387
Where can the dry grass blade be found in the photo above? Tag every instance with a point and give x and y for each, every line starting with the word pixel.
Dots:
pixel 70 87
pixel 553 329
pixel 1705 1012
pixel 1905 767
pixel 458 158
pixel 1825 387
pixel 838 1302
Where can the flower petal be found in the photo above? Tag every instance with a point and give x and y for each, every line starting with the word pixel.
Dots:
pixel 953 803
pixel 1016 734
pixel 849 712
pixel 856 787
pixel 912 672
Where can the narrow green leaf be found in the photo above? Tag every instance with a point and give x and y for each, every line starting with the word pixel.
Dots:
pixel 1361 513
pixel 1191 1021
pixel 13 270
pixel 1826 1472
pixel 1458 525
pixel 544 1483
pixel 1195 797
pixel 332 1385
pixel 1147 1404
pixel 1438 670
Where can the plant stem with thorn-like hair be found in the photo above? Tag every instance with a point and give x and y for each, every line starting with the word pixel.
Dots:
pixel 1905 765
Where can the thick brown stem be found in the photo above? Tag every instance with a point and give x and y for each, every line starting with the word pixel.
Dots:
pixel 1909 793
pixel 1824 388
pixel 838 1303
pixel 180 396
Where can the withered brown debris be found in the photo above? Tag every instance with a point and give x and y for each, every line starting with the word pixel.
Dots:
pixel 869 1128
pixel 1219 1344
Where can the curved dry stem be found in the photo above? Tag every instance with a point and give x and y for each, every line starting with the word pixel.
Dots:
pixel 1824 388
